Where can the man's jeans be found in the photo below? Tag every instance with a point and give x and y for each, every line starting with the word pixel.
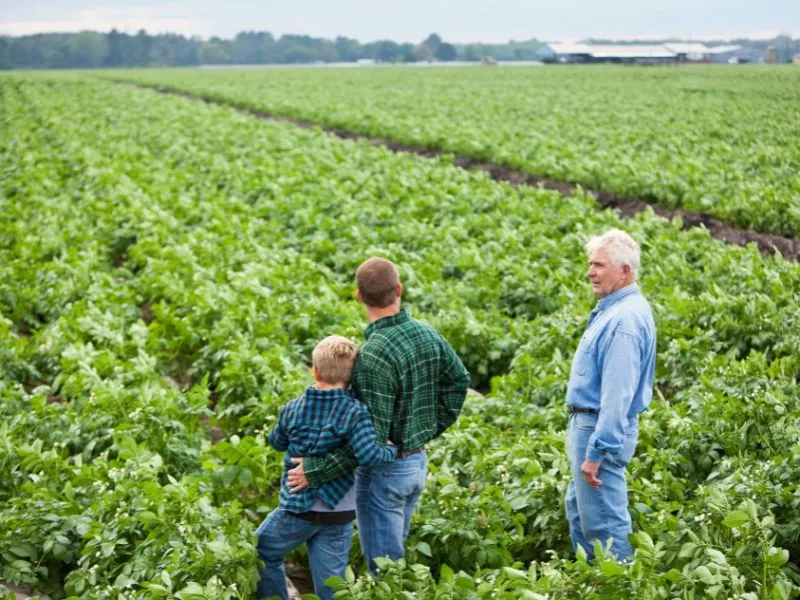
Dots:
pixel 602 513
pixel 328 552
pixel 386 498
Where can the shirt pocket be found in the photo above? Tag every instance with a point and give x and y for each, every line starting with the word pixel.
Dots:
pixel 585 357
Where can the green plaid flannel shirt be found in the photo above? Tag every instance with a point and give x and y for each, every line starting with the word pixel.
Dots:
pixel 413 383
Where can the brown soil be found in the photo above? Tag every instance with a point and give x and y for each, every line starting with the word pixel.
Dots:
pixel 767 243
pixel 147 313
pixel 215 433
pixel 300 577
pixel 22 592
pixel 720 230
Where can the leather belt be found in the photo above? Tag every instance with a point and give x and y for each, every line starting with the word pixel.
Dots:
pixel 589 411
pixel 407 453
pixel 325 518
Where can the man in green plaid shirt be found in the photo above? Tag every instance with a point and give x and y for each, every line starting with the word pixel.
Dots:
pixel 414 385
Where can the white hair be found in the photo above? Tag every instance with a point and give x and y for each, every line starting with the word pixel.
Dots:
pixel 622 249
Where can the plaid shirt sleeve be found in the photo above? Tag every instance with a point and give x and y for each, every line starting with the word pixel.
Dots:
pixel 278 438
pixel 362 440
pixel 338 463
pixel 453 388
pixel 378 390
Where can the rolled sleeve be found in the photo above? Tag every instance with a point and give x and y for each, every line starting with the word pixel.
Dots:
pixel 621 372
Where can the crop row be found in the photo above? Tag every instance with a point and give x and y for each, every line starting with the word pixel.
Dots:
pixel 187 258
pixel 709 139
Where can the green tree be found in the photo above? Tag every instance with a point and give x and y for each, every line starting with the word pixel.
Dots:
pixel 471 53
pixel 86 49
pixel 383 50
pixel 406 53
pixel 446 52
pixel 214 52
pixel 427 49
pixel 115 49
pixel 348 50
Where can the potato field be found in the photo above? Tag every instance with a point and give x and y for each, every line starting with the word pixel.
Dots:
pixel 167 265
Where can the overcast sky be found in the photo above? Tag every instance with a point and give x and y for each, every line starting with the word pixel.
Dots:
pixel 412 20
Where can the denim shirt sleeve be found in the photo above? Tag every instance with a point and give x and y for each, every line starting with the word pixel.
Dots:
pixel 620 366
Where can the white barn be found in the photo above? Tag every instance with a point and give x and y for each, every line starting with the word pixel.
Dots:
pixel 606 53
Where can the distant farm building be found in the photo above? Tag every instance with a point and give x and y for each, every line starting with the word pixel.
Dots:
pixel 690 51
pixel 605 53
pixel 647 54
pixel 736 55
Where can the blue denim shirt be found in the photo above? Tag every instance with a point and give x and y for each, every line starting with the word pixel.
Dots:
pixel 614 367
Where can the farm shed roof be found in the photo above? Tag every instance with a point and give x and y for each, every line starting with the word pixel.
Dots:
pixel 687 48
pixel 637 51
pixel 613 50
pixel 723 49
pixel 568 48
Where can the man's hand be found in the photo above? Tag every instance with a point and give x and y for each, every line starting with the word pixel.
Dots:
pixel 297 478
pixel 589 468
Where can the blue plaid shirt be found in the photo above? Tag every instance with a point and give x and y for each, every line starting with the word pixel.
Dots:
pixel 313 425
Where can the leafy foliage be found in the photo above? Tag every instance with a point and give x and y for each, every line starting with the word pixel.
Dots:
pixel 188 257
pixel 708 138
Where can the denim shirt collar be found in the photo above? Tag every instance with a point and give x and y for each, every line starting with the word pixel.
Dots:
pixel 613 298
pixel 390 321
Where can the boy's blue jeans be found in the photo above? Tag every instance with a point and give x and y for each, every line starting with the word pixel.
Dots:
pixel 386 498
pixel 328 552
pixel 602 513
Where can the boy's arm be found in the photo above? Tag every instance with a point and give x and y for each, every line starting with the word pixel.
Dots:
pixel 278 438
pixel 361 438
pixel 337 463
pixel 453 386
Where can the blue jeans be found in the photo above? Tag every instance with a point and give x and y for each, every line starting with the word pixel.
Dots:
pixel 602 513
pixel 385 501
pixel 328 552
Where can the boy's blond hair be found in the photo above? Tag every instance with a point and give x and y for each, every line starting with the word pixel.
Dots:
pixel 334 357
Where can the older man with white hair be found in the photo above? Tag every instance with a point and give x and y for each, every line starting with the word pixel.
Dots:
pixel 611 382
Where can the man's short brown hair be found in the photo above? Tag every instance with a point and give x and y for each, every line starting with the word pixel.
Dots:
pixel 377 280
pixel 334 357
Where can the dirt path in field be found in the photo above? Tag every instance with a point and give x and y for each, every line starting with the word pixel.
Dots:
pixel 720 230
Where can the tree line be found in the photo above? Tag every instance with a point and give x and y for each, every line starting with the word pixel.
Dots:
pixel 89 49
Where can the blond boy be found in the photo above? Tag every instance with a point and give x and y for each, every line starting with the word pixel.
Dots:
pixel 325 417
